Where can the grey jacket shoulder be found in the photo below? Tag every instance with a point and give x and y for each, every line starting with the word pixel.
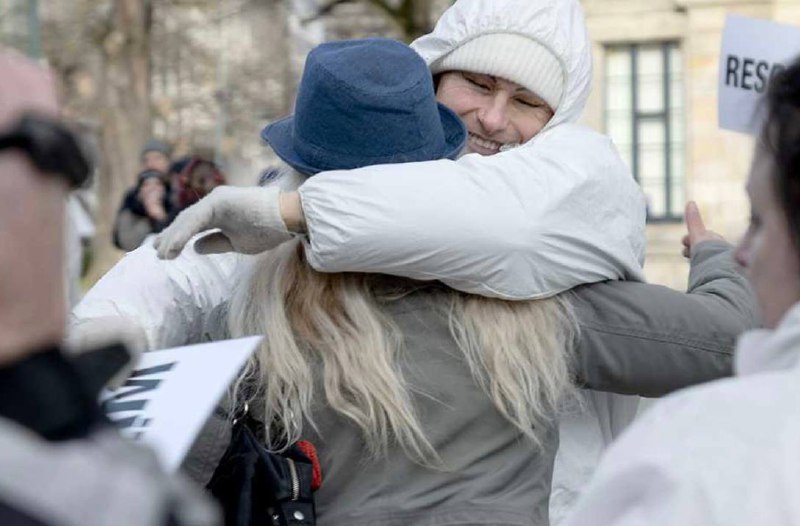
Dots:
pixel 650 340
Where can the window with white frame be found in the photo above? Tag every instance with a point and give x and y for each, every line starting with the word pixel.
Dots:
pixel 644 115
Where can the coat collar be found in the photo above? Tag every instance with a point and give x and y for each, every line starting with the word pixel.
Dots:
pixel 764 350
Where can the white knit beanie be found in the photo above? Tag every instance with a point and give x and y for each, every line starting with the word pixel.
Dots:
pixel 512 57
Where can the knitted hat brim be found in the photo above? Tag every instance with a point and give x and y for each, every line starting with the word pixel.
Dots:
pixel 512 57
pixel 279 136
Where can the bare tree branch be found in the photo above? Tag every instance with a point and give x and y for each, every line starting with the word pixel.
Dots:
pixel 393 13
pixel 324 11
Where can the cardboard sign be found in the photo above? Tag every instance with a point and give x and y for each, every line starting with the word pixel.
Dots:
pixel 753 51
pixel 169 396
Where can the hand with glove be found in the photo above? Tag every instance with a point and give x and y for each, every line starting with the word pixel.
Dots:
pixel 248 218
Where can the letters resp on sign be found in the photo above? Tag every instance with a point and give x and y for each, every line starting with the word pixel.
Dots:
pixel 749 74
pixel 753 52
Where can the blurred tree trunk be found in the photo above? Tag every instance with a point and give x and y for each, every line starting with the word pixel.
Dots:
pixel 124 114
pixel 412 16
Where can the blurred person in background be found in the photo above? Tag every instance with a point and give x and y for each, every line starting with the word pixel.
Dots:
pixel 146 207
pixel 154 192
pixel 62 462
pixel 728 453
pixel 196 178
pixel 156 155
pixel 163 190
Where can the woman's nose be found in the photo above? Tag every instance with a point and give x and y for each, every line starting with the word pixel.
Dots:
pixel 493 115
pixel 741 254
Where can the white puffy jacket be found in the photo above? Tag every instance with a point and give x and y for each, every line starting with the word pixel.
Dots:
pixel 556 212
pixel 529 223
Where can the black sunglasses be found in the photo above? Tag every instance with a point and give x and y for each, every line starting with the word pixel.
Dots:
pixel 51 147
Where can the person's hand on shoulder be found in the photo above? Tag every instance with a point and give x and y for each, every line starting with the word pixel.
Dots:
pixel 248 218
pixel 696 230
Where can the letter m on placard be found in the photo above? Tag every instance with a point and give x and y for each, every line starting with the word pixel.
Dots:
pixel 136 386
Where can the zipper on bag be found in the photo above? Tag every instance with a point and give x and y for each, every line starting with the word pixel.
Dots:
pixel 295 479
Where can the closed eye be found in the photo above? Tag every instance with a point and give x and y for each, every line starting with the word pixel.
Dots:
pixel 530 103
pixel 477 83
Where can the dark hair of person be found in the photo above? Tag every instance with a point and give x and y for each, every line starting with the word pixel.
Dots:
pixel 781 137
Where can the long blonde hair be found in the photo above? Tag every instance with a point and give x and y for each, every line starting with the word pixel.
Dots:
pixel 332 327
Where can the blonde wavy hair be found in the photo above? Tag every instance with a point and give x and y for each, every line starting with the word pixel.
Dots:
pixel 331 327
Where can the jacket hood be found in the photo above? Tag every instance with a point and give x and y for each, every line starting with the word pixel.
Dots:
pixel 557 25
pixel 762 350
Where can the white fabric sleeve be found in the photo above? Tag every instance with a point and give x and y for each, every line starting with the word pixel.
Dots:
pixel 724 453
pixel 642 495
pixel 174 302
pixel 557 212
pixel 585 431
pixel 644 479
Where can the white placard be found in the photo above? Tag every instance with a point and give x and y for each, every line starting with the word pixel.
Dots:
pixel 753 50
pixel 171 393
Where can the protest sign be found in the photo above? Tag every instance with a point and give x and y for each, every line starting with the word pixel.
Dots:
pixel 171 393
pixel 753 51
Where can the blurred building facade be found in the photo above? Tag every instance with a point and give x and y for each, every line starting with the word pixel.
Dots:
pixel 655 93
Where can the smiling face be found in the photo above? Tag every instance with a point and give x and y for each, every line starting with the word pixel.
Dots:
pixel 767 252
pixel 496 111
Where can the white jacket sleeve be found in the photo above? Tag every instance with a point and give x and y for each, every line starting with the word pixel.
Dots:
pixel 174 302
pixel 542 218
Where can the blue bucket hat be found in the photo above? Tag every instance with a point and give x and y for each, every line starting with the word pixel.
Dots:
pixel 363 102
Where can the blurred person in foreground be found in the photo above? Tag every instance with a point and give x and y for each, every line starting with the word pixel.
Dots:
pixel 62 462
pixel 728 453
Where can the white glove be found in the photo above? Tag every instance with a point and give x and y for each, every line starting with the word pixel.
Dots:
pixel 249 219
